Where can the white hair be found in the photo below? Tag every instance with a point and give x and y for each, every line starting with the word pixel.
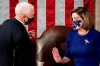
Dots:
pixel 23 8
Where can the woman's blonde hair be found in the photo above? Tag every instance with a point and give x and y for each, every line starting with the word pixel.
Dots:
pixel 86 16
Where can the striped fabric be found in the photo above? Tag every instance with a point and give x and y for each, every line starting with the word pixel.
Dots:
pixel 48 12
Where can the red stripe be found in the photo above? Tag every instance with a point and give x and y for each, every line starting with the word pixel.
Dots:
pixel 12 7
pixel 90 4
pixel 50 13
pixel 33 25
pixel 69 6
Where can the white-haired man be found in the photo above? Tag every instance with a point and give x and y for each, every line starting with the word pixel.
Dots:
pixel 15 46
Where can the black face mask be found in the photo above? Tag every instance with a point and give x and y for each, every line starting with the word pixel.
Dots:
pixel 29 20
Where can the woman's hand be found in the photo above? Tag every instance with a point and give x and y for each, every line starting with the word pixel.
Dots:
pixel 56 55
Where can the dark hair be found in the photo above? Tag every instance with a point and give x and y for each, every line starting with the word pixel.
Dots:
pixel 86 16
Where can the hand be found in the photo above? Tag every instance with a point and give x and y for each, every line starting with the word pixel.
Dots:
pixel 31 34
pixel 56 55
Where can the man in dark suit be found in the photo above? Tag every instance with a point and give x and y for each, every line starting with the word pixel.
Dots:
pixel 15 46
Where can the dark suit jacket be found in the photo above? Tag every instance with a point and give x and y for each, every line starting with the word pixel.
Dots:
pixel 15 46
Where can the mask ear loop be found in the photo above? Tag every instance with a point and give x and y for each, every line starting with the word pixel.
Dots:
pixel 82 22
pixel 25 22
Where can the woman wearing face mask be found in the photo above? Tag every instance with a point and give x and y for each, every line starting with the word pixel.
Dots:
pixel 83 43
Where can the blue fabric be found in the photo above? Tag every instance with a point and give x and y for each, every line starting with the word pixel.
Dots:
pixel 84 49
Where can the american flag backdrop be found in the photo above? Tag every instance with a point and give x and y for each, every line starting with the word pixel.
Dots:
pixel 48 13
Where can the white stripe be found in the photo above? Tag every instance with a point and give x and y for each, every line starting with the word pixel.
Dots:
pixel 41 16
pixel 4 10
pixel 41 22
pixel 23 0
pixel 78 3
pixel 60 12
